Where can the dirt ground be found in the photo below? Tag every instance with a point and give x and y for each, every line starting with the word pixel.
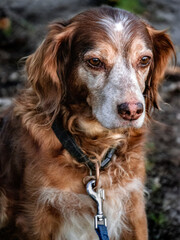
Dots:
pixel 25 28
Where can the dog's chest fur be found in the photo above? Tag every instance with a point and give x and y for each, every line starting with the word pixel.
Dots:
pixel 78 211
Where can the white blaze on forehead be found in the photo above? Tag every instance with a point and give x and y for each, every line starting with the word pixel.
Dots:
pixel 118 27
pixel 112 28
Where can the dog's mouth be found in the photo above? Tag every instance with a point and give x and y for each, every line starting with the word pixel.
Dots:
pixel 110 115
pixel 132 123
pixel 122 117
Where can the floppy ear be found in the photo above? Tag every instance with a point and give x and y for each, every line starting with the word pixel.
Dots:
pixel 163 50
pixel 46 67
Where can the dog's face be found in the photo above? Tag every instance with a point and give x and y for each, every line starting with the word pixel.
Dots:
pixel 106 58
pixel 115 77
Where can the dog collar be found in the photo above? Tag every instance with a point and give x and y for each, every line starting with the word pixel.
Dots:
pixel 69 143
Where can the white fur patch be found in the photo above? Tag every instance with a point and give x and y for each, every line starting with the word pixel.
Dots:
pixel 114 208
pixel 118 27
pixel 78 223
pixel 79 227
pixel 135 185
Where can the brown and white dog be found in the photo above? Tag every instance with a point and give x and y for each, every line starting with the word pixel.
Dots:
pixel 99 73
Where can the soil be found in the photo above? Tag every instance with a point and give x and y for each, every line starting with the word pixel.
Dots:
pixel 27 27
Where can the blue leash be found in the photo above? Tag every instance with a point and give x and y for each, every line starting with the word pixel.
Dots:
pixel 100 222
pixel 102 232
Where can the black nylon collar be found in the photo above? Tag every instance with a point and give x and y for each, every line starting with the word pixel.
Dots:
pixel 69 143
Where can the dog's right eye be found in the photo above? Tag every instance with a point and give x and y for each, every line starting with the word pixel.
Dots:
pixel 145 61
pixel 95 62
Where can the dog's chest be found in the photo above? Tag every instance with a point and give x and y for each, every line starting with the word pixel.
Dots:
pixel 79 224
pixel 78 211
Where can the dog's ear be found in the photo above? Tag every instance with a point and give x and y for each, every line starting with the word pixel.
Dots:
pixel 46 67
pixel 163 50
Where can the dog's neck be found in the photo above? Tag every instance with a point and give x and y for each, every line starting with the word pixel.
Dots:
pixel 94 139
pixel 90 135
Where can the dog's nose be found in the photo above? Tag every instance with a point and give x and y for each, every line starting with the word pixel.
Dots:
pixel 130 111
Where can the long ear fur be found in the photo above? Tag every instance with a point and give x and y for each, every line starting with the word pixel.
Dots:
pixel 163 50
pixel 46 68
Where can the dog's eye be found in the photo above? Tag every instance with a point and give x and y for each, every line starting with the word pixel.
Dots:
pixel 95 62
pixel 144 61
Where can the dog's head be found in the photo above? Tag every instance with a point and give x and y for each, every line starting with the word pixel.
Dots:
pixel 106 58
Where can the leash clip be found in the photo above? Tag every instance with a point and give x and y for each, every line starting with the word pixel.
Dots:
pixel 98 197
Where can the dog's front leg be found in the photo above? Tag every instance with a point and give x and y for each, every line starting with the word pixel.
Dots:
pixel 136 218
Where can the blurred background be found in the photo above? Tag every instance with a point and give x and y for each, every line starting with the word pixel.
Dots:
pixel 23 25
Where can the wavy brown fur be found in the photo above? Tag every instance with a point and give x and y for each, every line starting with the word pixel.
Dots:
pixel 32 158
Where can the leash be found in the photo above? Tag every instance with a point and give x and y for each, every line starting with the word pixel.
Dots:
pixel 69 143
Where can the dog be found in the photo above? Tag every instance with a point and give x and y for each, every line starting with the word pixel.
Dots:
pixel 92 87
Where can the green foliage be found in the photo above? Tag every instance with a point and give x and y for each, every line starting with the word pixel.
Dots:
pixel 8 31
pixel 158 218
pixel 130 5
pixel 150 146
pixel 6 27
pixel 149 165
pixel 155 186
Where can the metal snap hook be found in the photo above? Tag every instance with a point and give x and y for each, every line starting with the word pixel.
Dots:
pixel 98 197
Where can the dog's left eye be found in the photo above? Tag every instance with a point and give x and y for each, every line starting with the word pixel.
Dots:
pixel 144 61
pixel 95 62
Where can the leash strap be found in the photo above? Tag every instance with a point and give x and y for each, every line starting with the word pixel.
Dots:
pixel 102 232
